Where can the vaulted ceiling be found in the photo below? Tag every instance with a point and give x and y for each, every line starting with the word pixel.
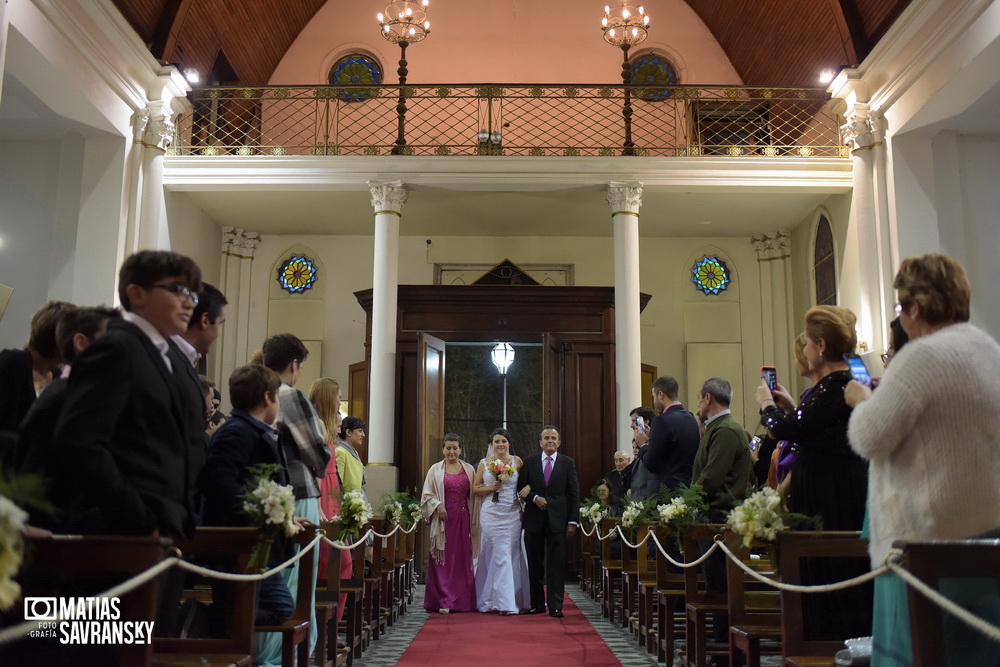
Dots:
pixel 769 42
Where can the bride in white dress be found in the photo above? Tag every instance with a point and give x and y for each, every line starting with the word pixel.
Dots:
pixel 502 571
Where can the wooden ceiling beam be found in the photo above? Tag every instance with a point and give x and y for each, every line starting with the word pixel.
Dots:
pixel 852 30
pixel 168 27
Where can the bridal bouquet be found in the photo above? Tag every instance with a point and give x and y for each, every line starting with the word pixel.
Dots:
pixel 271 508
pixel 502 471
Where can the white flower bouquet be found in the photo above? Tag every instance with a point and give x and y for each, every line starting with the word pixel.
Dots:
pixel 12 522
pixel 759 517
pixel 402 509
pixel 271 509
pixel 355 512
pixel 593 512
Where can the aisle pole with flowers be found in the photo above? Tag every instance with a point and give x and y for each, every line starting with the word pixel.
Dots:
pixel 271 509
pixel 355 512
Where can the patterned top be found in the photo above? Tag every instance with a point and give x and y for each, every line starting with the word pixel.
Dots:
pixel 302 439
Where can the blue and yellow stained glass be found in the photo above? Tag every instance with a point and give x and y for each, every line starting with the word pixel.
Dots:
pixel 650 70
pixel 710 275
pixel 356 70
pixel 297 274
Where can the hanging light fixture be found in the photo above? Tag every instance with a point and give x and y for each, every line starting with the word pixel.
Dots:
pixel 624 26
pixel 405 21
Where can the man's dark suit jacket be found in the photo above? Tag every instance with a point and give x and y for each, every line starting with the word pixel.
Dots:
pixel 562 494
pixel 17 393
pixel 673 444
pixel 34 451
pixel 238 444
pixel 129 442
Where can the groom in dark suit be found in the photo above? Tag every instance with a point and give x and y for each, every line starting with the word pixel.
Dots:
pixel 550 517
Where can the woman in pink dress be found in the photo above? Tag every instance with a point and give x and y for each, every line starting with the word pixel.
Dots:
pixel 447 502
pixel 325 397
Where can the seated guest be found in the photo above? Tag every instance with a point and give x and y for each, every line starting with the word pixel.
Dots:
pixel 620 479
pixel 247 439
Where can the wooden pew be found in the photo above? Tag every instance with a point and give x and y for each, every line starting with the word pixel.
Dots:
pixel 295 632
pixel 329 587
pixel 754 607
pixel 611 573
pixel 699 603
pixel 793 546
pixel 236 545
pixel 669 593
pixel 55 564
pixel 952 560
pixel 646 610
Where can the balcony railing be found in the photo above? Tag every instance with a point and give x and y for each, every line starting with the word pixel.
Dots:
pixel 495 119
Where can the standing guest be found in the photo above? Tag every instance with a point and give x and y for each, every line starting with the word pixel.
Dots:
pixel 502 571
pixel 248 439
pixel 930 432
pixel 829 481
pixel 447 503
pixel 205 325
pixel 352 469
pixel 306 455
pixel 25 373
pixel 640 435
pixel 325 397
pixel 551 515
pixel 782 459
pixel 77 329
pixel 619 480
pixel 722 467
pixel 130 438
pixel 673 439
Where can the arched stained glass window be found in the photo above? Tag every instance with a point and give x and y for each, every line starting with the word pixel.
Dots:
pixel 356 69
pixel 824 265
pixel 653 69
pixel 710 275
pixel 297 274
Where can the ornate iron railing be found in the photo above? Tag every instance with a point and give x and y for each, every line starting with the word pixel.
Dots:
pixel 509 119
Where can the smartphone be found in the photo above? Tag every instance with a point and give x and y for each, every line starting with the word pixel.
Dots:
pixel 770 375
pixel 641 423
pixel 754 443
pixel 858 369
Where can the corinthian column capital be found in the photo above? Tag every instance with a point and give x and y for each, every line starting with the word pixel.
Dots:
pixel 772 245
pixel 239 243
pixel 153 126
pixel 625 197
pixel 388 197
pixel 864 128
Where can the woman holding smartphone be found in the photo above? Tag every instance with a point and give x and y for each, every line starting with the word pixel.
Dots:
pixel 830 480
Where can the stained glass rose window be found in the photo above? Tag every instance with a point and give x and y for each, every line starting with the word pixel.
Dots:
pixel 297 274
pixel 710 275
pixel 650 70
pixel 356 70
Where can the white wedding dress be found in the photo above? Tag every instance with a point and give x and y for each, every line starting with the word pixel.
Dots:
pixel 502 571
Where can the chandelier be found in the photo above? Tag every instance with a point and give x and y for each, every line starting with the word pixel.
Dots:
pixel 405 21
pixel 625 25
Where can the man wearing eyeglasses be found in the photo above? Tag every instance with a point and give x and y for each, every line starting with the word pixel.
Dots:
pixel 130 434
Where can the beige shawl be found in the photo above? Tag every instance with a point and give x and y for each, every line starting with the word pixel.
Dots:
pixel 433 496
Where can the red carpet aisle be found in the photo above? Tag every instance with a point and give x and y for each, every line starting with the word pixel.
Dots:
pixel 527 641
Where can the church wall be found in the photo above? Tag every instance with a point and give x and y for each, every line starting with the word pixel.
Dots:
pixel 193 233
pixel 556 41
pixel 28 194
pixel 664 273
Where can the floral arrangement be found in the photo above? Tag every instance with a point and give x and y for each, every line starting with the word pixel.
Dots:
pixel 271 509
pixel 763 515
pixel 502 471
pixel 402 509
pixel 12 522
pixel 355 512
pixel 639 513
pixel 593 512
pixel 686 507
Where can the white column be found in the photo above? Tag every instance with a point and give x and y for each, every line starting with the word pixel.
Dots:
pixel 625 200
pixel 774 265
pixel 862 283
pixel 157 136
pixel 233 348
pixel 387 200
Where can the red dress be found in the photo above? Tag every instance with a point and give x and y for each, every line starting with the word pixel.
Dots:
pixel 329 504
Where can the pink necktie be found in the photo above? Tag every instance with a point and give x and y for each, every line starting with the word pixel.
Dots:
pixel 547 472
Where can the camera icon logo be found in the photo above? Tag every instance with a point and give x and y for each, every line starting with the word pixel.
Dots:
pixel 40 609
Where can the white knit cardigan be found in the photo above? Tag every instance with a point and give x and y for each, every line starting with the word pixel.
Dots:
pixel 932 433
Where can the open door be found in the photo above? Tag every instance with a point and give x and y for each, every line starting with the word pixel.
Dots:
pixel 430 399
